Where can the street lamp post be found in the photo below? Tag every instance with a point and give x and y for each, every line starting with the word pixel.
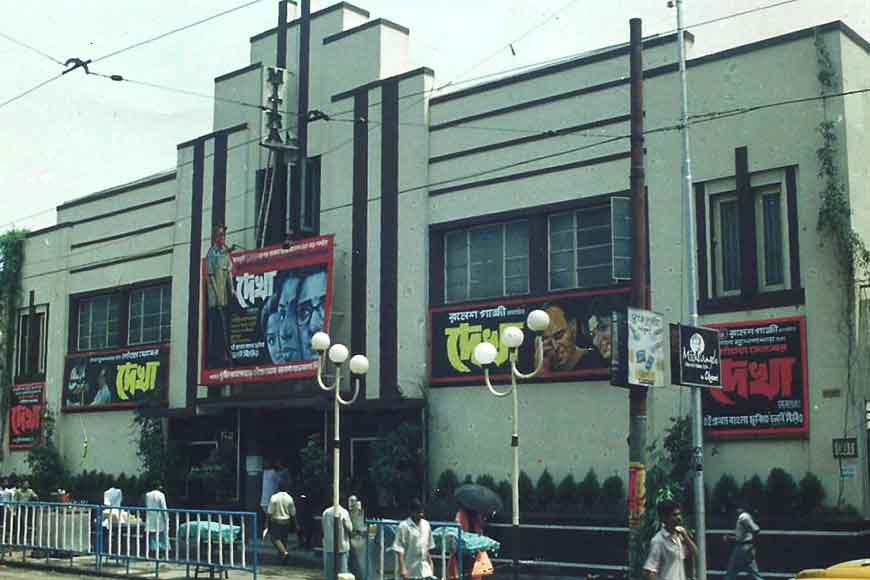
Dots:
pixel 485 354
pixel 359 365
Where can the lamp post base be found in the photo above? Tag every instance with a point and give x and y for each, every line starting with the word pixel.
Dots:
pixel 515 551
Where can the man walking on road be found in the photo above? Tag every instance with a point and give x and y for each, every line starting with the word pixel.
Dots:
pixel 670 547
pixel 281 512
pixel 413 545
pixel 743 555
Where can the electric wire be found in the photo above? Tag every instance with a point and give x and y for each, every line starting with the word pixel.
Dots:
pixel 174 31
pixel 31 48
pixel 30 90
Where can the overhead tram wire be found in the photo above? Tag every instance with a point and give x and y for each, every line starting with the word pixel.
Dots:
pixel 30 90
pixel 174 31
pixel 31 48
pixel 696 119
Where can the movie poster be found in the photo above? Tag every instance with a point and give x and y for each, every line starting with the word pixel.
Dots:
pixel 25 415
pixel 120 379
pixel 764 380
pixel 577 344
pixel 261 308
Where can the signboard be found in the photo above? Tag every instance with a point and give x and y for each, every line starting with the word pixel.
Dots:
pixel 120 379
pixel 846 447
pixel 764 380
pixel 577 344
pixel 25 415
pixel 261 309
pixel 848 471
pixel 645 343
pixel 695 356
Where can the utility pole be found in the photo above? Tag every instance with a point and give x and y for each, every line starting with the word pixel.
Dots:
pixel 691 270
pixel 279 176
pixel 295 224
pixel 640 296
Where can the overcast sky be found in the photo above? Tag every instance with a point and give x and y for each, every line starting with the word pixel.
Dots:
pixel 80 134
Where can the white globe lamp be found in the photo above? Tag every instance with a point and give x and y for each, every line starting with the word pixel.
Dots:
pixel 359 364
pixel 484 354
pixel 538 320
pixel 338 353
pixel 320 341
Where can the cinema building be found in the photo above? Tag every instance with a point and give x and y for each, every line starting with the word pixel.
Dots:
pixel 433 218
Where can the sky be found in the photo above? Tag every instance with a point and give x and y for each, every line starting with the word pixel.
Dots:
pixel 80 134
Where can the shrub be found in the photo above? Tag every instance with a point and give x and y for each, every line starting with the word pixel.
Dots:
pixel 613 494
pixel 782 492
pixel 397 465
pixel 487 481
pixel 752 494
pixel 725 495
pixel 589 491
pixel 526 492
pixel 448 481
pixel 505 492
pixel 811 494
pixel 566 494
pixel 546 491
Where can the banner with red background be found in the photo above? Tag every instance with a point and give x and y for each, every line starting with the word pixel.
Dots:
pixel 764 381
pixel 25 415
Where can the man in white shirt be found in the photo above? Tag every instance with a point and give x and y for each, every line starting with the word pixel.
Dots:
pixel 670 547
pixel 413 545
pixel 281 510
pixel 743 555
pixel 157 519
pixel 345 528
pixel 113 497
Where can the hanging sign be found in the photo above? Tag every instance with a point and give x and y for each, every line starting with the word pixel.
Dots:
pixel 25 415
pixel 695 357
pixel 646 348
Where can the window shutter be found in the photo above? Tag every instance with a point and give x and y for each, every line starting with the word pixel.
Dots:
pixel 620 228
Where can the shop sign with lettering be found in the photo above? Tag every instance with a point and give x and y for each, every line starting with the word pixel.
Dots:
pixel 577 344
pixel 121 379
pixel 25 415
pixel 764 381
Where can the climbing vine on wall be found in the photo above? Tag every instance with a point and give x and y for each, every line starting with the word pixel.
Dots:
pixel 835 222
pixel 11 261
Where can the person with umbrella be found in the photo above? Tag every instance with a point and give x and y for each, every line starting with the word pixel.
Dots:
pixel 474 501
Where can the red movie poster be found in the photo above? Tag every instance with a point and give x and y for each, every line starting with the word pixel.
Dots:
pixel 764 381
pixel 261 308
pixel 25 415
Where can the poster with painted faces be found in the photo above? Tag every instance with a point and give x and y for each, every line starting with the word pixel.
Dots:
pixel 577 345
pixel 261 308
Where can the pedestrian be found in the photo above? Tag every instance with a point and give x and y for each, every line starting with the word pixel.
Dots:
pixel 113 497
pixel 271 480
pixel 281 511
pixel 670 547
pixel 743 554
pixel 25 493
pixel 413 545
pixel 471 522
pixel 157 518
pixel 358 561
pixel 345 528
pixel 304 519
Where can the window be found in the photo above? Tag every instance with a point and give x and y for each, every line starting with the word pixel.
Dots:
pixel 99 323
pixel 129 316
pixel 486 261
pixel 770 241
pixel 748 241
pixel 31 343
pixel 590 247
pixel 150 312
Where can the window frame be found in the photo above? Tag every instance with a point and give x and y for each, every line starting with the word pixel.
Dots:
pixel 124 295
pixel 754 292
pixel 467 231
pixel 29 374
pixel 538 262
pixel 165 293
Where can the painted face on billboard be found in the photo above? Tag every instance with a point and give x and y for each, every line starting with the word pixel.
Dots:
pixel 272 326
pixel 560 340
pixel 288 330
pixel 311 310
pixel 599 328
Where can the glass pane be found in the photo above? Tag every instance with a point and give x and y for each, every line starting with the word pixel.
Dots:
pixel 621 226
pixel 773 266
pixel 730 244
pixel 561 222
pixel 486 267
pixel 455 266
pixel 517 240
pixel 594 247
pixel 562 280
pixel 594 276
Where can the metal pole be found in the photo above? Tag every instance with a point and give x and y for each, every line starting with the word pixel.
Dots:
pixel 640 296
pixel 336 460
pixel 296 221
pixel 689 204
pixel 515 487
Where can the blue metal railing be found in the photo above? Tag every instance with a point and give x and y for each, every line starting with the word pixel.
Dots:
pixel 209 539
